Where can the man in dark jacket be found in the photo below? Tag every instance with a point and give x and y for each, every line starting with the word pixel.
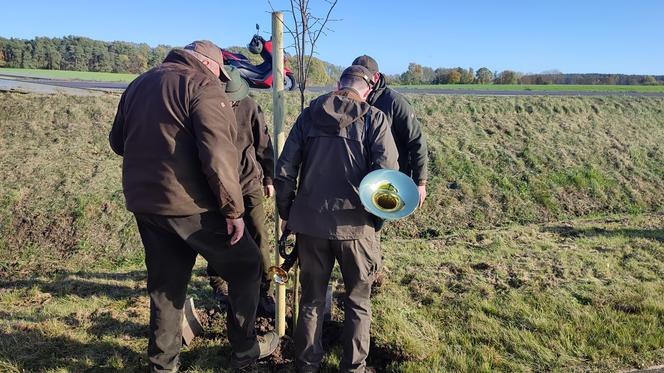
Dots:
pixel 256 173
pixel 176 130
pixel 406 129
pixel 334 143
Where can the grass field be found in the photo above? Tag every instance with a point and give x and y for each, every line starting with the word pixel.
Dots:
pixel 540 247
pixel 542 87
pixel 582 295
pixel 70 75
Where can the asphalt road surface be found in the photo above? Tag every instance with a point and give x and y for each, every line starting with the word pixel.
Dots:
pixel 33 84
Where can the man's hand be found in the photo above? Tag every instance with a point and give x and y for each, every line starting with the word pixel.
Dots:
pixel 235 228
pixel 269 191
pixel 284 223
pixel 422 190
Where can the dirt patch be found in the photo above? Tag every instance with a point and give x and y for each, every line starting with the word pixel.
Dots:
pixel 282 358
pixel 381 357
pixel 214 318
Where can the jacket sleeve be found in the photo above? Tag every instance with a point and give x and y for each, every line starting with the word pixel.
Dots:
pixel 116 136
pixel 382 149
pixel 263 145
pixel 214 125
pixel 409 127
pixel 288 168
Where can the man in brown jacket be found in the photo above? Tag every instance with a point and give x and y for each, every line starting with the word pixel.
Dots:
pixel 256 173
pixel 176 130
pixel 334 143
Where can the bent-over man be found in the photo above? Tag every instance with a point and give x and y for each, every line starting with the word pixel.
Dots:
pixel 256 173
pixel 334 143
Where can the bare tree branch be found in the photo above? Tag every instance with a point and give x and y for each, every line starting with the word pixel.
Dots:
pixel 305 30
pixel 318 33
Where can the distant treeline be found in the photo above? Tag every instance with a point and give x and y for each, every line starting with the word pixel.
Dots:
pixel 84 54
pixel 80 54
pixel 418 74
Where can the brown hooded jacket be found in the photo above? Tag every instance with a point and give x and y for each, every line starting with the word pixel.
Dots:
pixel 175 129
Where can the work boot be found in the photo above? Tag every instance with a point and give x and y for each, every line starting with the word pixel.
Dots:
pixel 267 344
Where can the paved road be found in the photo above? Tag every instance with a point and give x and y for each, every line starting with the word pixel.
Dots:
pixel 27 86
pixel 79 84
pixel 119 86
pixel 524 93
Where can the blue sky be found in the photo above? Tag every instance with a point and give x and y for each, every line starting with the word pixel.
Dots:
pixel 607 36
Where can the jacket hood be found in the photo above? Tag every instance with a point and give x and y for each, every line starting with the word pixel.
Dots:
pixel 337 110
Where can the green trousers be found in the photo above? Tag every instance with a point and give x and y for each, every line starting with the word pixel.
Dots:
pixel 254 220
pixel 358 260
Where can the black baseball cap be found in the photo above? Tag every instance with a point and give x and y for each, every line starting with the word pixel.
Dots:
pixel 367 62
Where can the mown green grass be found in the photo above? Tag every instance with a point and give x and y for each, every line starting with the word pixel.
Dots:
pixel 542 87
pixel 72 75
pixel 571 296
pixel 504 269
pixel 582 295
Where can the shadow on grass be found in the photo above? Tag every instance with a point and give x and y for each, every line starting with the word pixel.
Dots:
pixel 104 324
pixel 99 324
pixel 33 350
pixel 83 284
pixel 567 231
pixel 141 275
pixel 30 345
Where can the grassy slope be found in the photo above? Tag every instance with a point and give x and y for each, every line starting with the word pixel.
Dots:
pixel 542 87
pixel 73 75
pixel 536 297
pixel 497 160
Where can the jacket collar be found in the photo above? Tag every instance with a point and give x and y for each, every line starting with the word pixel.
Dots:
pixel 349 92
pixel 378 90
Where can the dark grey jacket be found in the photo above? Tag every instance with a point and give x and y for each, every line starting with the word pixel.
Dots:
pixel 331 151
pixel 406 130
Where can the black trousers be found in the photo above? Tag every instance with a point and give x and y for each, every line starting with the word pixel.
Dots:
pixel 254 219
pixel 171 246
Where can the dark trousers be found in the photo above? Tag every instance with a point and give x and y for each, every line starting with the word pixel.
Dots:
pixel 359 260
pixel 171 246
pixel 254 220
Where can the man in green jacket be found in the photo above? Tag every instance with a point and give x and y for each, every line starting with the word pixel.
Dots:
pixel 406 129
pixel 256 173
pixel 175 130
pixel 334 143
